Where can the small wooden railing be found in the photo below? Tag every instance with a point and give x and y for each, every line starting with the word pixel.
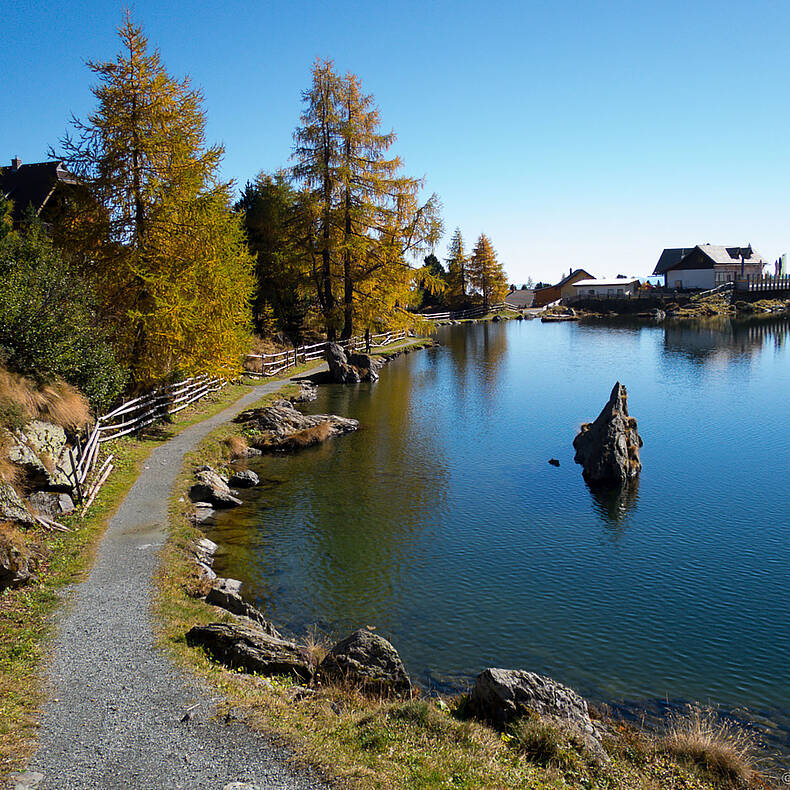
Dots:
pixel 472 312
pixel 760 284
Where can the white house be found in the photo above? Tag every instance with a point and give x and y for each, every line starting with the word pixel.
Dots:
pixel 619 287
pixel 708 265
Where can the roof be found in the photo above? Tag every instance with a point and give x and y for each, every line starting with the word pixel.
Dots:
pixel 670 257
pixel 606 283
pixel 521 298
pixel 570 276
pixel 33 183
pixel 720 255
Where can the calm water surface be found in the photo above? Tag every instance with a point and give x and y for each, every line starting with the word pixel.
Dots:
pixel 442 524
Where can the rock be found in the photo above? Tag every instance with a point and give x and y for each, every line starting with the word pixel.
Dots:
pixel 49 503
pixel 339 368
pixel 204 550
pixel 244 479
pixel 240 646
pixel 608 449
pixel 212 488
pixel 496 319
pixel 227 597
pixel 500 696
pixel 204 513
pixel 41 449
pixel 283 427
pixel 17 564
pixel 554 462
pixel 241 786
pixel 368 661
pixel 307 392
pixel 12 507
pixel 367 365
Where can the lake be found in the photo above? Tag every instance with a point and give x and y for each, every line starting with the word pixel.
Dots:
pixel 441 523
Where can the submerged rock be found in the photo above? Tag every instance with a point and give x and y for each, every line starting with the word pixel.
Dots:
pixel 282 427
pixel 244 479
pixel 608 449
pixel 500 696
pixel 251 649
pixel 369 661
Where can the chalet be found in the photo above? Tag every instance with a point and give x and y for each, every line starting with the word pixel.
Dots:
pixel 520 299
pixel 618 288
pixel 563 289
pixel 41 185
pixel 708 265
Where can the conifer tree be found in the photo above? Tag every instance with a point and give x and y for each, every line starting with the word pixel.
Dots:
pixel 155 228
pixel 457 265
pixel 371 219
pixel 486 273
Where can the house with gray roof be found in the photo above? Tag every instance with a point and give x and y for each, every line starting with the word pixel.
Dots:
pixel 708 265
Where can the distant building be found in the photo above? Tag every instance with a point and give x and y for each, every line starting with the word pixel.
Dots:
pixel 619 287
pixel 708 265
pixel 41 185
pixel 564 288
pixel 520 299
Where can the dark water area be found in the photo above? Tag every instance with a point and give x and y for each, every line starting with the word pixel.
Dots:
pixel 442 524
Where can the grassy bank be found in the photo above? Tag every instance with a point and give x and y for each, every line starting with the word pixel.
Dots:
pixel 363 743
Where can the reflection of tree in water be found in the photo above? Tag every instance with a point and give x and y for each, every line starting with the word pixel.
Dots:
pixel 614 505
pixel 723 339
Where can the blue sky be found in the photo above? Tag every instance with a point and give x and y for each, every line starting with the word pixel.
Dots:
pixel 573 133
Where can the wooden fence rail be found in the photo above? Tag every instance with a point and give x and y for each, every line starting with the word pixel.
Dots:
pixel 472 312
pixel 760 284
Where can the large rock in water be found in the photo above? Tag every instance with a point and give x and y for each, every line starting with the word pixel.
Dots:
pixel 367 365
pixel 500 696
pixel 368 661
pixel 251 649
pixel 608 449
pixel 351 368
pixel 283 427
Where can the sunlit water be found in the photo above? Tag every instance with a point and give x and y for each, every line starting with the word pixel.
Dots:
pixel 442 524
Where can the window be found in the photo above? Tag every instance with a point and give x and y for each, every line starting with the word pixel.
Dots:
pixel 620 292
pixel 610 291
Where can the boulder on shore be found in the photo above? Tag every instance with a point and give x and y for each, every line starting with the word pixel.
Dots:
pixel 245 478
pixel 367 365
pixel 351 368
pixel 368 661
pixel 227 596
pixel 41 449
pixel 51 504
pixel 500 696
pixel 212 488
pixel 282 427
pixel 608 449
pixel 251 649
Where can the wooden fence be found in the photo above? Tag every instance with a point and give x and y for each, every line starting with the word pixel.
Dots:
pixel 128 418
pixel 272 364
pixel 761 284
pixel 472 312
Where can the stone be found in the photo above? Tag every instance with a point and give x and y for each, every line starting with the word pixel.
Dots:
pixel 340 370
pixel 496 319
pixel 500 696
pixel 212 488
pixel 307 392
pixel 369 662
pixel 17 564
pixel 241 786
pixel 251 649
pixel 50 503
pixel 608 449
pixel 367 365
pixel 244 479
pixel 204 513
pixel 554 462
pixel 204 550
pixel 41 449
pixel 281 426
pixel 12 506
pixel 226 597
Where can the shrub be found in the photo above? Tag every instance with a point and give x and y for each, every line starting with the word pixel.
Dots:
pixel 545 743
pixel 713 743
pixel 48 324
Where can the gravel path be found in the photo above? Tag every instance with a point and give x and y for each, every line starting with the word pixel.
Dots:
pixel 114 720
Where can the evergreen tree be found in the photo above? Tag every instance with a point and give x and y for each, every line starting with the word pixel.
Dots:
pixel 155 228
pixel 486 273
pixel 457 270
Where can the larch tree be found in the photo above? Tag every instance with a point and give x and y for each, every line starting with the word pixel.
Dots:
pixel 155 228
pixel 486 273
pixel 372 222
pixel 457 270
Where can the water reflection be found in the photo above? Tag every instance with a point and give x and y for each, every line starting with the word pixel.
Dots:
pixel 614 505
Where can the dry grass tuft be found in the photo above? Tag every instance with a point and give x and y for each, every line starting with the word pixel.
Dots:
pixel 237 446
pixel 713 743
pixel 23 399
pixel 317 646
pixel 307 437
